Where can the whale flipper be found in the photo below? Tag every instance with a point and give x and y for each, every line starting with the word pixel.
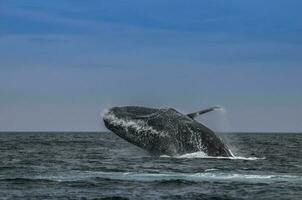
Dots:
pixel 196 114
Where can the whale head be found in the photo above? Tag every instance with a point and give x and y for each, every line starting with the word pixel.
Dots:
pixel 131 124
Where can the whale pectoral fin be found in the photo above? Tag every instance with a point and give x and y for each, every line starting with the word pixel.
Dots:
pixel 196 114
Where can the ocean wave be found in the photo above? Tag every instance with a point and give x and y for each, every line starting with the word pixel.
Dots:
pixel 210 175
pixel 203 155
pixel 27 180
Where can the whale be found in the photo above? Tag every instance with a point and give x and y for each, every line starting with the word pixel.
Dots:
pixel 165 131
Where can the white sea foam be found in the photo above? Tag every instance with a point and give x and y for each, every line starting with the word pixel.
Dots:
pixel 199 154
pixel 210 170
pixel 149 177
pixel 203 155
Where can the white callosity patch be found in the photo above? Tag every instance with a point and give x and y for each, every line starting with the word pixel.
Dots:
pixel 138 125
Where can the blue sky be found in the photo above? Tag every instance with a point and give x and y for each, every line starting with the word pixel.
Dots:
pixel 63 62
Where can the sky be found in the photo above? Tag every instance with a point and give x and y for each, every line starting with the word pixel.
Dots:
pixel 63 62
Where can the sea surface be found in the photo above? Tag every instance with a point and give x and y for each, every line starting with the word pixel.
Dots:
pixel 104 166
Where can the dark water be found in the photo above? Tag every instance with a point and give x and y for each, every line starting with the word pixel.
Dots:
pixel 101 165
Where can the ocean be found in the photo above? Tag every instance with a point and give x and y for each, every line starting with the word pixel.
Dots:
pixel 103 166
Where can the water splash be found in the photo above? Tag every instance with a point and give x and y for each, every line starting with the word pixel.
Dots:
pixel 224 122
pixel 203 155
pixel 224 126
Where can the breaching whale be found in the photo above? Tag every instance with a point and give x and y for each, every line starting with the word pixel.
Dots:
pixel 164 131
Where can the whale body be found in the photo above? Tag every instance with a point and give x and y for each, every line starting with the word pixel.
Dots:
pixel 164 131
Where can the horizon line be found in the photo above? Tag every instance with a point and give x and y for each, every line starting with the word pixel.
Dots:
pixel 87 131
